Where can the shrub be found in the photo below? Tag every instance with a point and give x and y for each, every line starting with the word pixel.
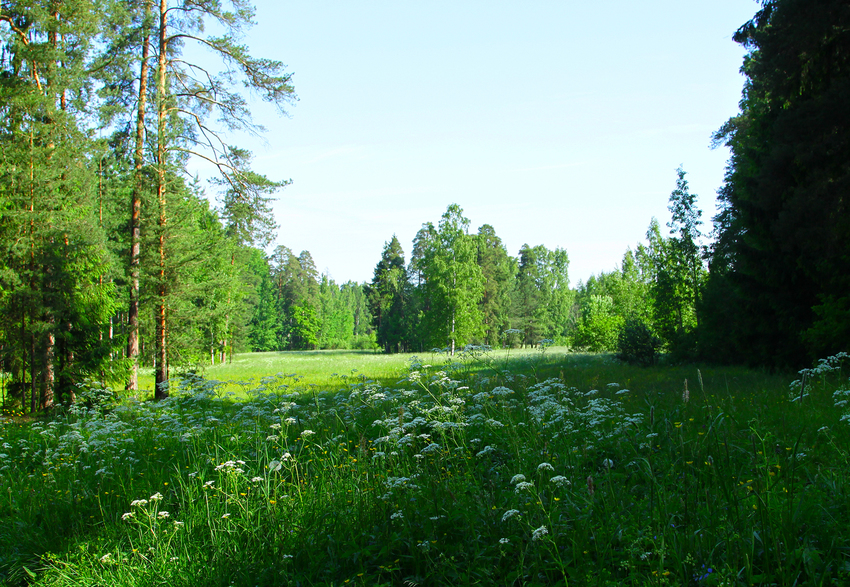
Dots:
pixel 636 343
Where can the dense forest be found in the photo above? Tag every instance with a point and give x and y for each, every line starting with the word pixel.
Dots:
pixel 114 259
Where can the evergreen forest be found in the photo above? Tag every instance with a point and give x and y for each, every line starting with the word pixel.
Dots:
pixel 114 259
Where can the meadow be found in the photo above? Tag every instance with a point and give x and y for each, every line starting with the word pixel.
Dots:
pixel 489 468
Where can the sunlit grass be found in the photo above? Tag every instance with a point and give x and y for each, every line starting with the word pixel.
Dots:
pixel 336 369
pixel 519 468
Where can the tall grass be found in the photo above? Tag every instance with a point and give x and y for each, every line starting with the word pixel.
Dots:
pixel 536 469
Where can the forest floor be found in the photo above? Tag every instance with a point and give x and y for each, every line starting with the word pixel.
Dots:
pixel 501 468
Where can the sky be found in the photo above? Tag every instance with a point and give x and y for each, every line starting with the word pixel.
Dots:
pixel 559 123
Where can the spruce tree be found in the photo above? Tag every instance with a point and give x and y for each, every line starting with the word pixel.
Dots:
pixel 783 231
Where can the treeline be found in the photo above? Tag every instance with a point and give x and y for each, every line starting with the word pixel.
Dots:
pixel 297 309
pixel 773 287
pixel 460 288
pixel 653 301
pixel 112 257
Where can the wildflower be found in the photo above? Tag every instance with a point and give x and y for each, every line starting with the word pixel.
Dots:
pixel 290 421
pixel 539 533
pixel 156 496
pixel 485 451
pixel 705 575
pixel 517 478
pixel 608 464
pixel 509 514
pixel 504 541
pixel 307 433
pixel 163 514
pixel 225 516
pixel 209 483
pixel 106 558
pixel 397 516
pixel 522 486
pixel 138 503
pixel 178 524
pixel 275 426
pixel 560 480
pixel 256 479
pixel 545 467
pixel 128 515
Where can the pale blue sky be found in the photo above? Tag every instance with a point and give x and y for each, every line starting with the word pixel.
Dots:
pixel 560 123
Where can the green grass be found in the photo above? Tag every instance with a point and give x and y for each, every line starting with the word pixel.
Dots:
pixel 499 469
pixel 336 369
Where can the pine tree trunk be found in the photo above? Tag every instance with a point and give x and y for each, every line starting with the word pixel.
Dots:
pixel 135 215
pixel 161 320
pixel 33 386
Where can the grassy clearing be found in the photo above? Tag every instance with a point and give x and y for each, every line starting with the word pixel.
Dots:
pixel 336 369
pixel 523 469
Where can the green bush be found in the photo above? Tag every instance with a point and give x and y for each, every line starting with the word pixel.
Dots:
pixel 636 343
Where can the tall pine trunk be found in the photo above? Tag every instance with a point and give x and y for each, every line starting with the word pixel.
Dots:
pixel 161 317
pixel 136 211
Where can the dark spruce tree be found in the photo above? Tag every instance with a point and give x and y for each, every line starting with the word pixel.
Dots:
pixel 780 290
pixel 387 295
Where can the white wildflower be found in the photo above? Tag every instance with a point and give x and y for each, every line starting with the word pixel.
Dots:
pixel 307 433
pixel 163 514
pixel 545 467
pixel 509 514
pixel 504 541
pixel 560 481
pixel 539 533
pixel 485 451
pixel 522 486
pixel 517 478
